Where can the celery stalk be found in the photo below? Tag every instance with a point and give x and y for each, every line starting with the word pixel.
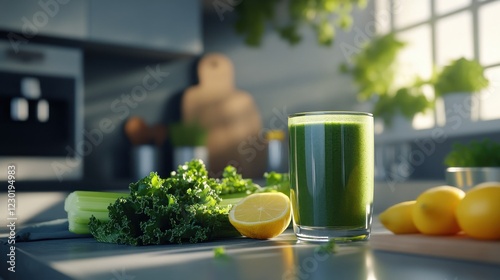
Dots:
pixel 232 199
pixel 81 205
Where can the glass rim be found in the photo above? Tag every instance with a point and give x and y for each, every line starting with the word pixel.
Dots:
pixel 319 113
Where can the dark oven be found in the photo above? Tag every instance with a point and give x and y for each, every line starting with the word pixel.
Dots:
pixel 41 118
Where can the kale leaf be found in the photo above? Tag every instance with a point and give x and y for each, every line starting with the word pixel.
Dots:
pixel 233 183
pixel 277 182
pixel 182 208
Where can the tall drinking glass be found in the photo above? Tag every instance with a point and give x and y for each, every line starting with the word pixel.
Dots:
pixel 331 175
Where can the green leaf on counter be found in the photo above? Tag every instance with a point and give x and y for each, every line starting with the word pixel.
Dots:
pixel 220 253
pixel 328 248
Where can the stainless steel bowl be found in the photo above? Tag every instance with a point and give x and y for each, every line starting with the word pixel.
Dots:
pixel 467 177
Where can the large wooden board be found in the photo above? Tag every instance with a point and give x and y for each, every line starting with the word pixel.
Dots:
pixel 455 247
pixel 229 115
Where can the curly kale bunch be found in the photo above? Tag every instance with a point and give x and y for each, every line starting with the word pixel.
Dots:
pixel 277 182
pixel 233 183
pixel 182 208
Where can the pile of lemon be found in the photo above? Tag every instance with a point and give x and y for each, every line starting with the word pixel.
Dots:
pixel 447 210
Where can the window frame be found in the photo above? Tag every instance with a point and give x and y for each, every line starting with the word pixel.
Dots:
pixel 475 126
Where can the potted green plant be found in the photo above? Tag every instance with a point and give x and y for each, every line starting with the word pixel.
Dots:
pixel 457 83
pixel 189 142
pixel 473 163
pixel 399 109
pixel 374 70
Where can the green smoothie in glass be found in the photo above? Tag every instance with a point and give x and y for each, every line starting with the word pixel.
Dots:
pixel 331 174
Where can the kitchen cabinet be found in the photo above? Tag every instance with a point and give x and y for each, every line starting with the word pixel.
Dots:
pixel 164 27
pixel 156 24
pixel 55 18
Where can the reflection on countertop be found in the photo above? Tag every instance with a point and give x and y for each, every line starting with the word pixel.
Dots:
pixel 282 257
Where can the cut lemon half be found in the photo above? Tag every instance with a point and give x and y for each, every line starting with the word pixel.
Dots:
pixel 261 215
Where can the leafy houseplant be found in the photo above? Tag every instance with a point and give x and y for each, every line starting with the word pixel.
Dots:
pixel 187 135
pixel 473 163
pixel 456 83
pixel 461 75
pixel 374 67
pixel 474 154
pixel 188 140
pixel 374 70
pixel 255 14
pixel 407 102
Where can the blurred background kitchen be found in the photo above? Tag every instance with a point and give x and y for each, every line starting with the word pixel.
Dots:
pixel 95 93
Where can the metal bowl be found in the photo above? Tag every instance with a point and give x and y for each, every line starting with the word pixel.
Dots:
pixel 467 177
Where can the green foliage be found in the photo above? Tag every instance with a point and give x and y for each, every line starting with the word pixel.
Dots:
pixel 220 253
pixel 374 67
pixel 191 135
pixel 182 208
pixel 407 101
pixel 233 183
pixel 277 182
pixel 461 75
pixel 254 15
pixel 328 248
pixel 234 187
pixel 485 153
pixel 374 70
pixel 185 207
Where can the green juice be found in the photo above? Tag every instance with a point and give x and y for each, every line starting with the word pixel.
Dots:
pixel 331 171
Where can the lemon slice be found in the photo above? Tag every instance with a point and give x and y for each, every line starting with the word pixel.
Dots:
pixel 261 215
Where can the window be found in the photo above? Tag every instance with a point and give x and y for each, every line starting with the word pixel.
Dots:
pixel 438 31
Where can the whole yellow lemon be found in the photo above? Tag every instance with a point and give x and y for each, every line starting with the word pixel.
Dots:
pixel 398 219
pixel 478 214
pixel 434 210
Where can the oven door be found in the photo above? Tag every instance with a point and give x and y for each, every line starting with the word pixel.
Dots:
pixel 41 112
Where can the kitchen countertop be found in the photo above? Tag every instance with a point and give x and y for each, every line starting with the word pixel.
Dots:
pixel 280 258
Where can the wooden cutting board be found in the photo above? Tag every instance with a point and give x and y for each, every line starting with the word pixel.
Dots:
pixel 229 115
pixel 455 247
